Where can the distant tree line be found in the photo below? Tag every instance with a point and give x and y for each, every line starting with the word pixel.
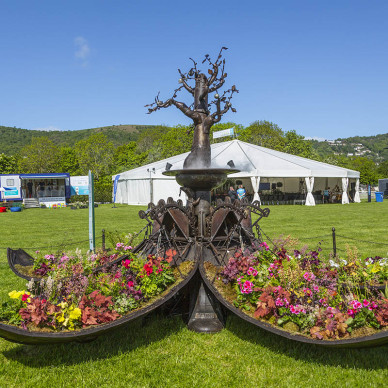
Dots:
pixel 100 155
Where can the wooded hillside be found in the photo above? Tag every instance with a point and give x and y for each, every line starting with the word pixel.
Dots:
pixel 14 139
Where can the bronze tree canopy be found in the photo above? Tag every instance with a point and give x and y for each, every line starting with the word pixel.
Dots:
pixel 200 111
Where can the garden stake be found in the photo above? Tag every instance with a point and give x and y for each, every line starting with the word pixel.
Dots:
pixel 334 243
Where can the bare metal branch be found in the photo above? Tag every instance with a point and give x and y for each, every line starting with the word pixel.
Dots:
pixel 215 87
pixel 186 86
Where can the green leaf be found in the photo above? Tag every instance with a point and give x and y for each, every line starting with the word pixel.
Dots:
pixel 349 321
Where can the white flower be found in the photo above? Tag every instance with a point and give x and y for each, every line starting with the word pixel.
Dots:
pixel 344 262
pixel 333 264
pixel 78 253
pixel 383 262
pixel 30 285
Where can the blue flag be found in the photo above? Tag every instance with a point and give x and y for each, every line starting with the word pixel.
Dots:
pixel 117 177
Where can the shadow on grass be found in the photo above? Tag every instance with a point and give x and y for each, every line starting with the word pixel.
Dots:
pixel 137 334
pixel 361 358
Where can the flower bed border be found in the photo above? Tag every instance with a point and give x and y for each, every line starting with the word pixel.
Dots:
pixel 19 335
pixel 376 339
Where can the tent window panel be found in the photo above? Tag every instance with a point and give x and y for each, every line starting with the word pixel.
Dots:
pixel 291 185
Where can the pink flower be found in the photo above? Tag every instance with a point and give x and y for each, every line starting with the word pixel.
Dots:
pixel 316 288
pixel 307 291
pixel 64 259
pixel 309 276
pixel 159 270
pixel 356 304
pixel 127 248
pixel 264 245
pixel 246 288
pixel 365 303
pixel 252 271
pixel 118 275
pixel 279 302
pixel 351 312
pixel 126 263
pixel 130 284
pixel 373 305
pixel 297 309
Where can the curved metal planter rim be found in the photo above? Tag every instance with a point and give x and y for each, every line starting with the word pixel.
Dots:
pixel 376 339
pixel 16 334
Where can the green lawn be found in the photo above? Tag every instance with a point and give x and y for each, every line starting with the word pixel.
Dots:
pixel 363 224
pixel 163 352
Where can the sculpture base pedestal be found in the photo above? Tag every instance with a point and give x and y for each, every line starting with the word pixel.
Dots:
pixel 204 318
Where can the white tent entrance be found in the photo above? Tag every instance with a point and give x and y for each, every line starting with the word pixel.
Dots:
pixel 265 173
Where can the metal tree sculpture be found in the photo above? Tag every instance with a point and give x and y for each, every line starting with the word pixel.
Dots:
pixel 200 110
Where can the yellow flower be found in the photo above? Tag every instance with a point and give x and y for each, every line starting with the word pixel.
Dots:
pixel 17 294
pixel 14 294
pixel 75 314
pixel 62 305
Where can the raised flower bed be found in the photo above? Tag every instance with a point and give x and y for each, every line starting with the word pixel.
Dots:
pixel 301 295
pixel 73 300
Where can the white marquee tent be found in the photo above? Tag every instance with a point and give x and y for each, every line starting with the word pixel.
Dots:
pixel 257 164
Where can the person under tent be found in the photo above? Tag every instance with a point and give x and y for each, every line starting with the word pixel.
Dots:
pixel 232 193
pixel 241 193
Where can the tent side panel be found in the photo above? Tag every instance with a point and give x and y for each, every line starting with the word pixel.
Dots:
pixel 164 188
pixel 137 191
pixel 121 192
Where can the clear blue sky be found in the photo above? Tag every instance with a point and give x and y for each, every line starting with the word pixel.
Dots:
pixel 319 67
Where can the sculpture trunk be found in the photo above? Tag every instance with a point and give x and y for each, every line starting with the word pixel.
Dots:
pixel 200 156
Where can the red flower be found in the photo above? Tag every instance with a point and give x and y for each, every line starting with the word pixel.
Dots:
pixel 130 284
pixel 148 268
pixel 126 263
pixel 25 297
